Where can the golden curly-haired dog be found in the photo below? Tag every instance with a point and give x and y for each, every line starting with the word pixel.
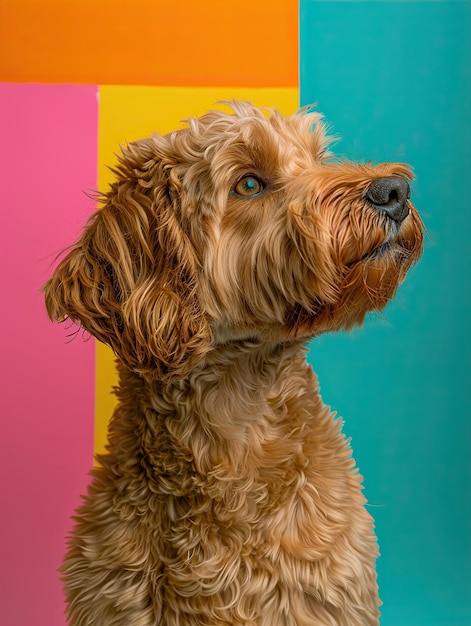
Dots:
pixel 228 495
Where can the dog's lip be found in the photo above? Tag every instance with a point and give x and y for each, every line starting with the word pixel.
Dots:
pixel 376 252
pixel 392 240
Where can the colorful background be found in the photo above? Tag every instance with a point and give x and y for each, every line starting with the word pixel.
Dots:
pixel 393 78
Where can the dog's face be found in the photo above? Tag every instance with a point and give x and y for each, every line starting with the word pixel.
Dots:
pixel 239 226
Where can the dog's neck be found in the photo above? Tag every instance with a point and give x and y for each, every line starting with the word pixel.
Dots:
pixel 238 378
pixel 234 406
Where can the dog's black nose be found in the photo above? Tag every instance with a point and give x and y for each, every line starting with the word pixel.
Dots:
pixel 390 194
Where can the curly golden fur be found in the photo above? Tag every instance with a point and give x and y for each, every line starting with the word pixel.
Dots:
pixel 228 494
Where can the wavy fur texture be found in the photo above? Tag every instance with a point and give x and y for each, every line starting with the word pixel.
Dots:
pixel 228 495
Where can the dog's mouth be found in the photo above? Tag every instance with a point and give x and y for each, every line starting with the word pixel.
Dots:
pixel 391 244
pixel 398 240
pixel 378 252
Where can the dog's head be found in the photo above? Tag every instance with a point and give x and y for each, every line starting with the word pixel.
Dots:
pixel 240 225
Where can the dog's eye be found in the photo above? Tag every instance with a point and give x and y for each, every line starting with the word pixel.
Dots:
pixel 248 186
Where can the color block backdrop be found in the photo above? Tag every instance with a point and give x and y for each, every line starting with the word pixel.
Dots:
pixel 393 78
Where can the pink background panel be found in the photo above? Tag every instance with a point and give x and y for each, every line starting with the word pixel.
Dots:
pixel 47 159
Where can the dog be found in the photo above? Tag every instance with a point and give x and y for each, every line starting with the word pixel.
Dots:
pixel 228 494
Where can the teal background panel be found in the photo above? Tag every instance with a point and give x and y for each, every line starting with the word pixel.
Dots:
pixel 394 81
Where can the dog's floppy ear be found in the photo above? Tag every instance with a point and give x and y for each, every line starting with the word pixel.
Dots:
pixel 131 279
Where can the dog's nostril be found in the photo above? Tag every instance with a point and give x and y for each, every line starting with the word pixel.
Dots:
pixel 390 194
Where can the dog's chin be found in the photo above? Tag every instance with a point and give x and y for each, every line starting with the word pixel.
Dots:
pixel 369 283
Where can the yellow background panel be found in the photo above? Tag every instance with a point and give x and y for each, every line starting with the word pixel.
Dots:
pixel 128 113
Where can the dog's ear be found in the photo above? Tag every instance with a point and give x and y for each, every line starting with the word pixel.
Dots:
pixel 131 279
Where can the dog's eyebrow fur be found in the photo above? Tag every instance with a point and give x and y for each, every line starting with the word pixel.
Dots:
pixel 228 494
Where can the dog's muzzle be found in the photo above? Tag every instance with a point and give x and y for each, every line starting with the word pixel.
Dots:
pixel 390 194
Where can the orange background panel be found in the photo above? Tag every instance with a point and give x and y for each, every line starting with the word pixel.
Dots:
pixel 150 42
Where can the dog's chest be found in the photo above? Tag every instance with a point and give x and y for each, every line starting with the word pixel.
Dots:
pixel 260 530
pixel 258 517
pixel 266 495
